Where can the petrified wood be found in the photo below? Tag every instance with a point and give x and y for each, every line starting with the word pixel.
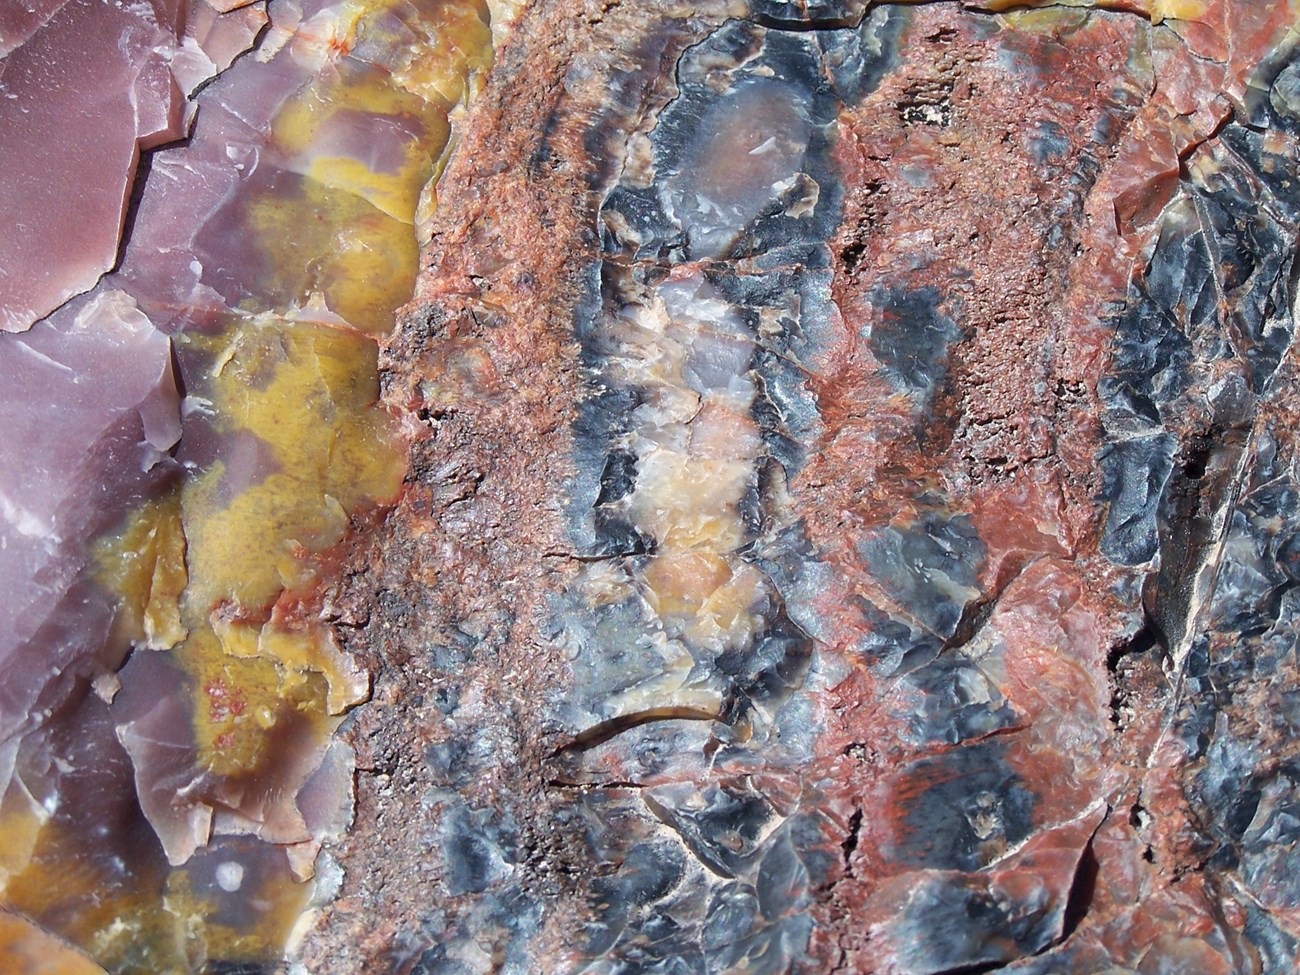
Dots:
pixel 848 526
pixel 848 518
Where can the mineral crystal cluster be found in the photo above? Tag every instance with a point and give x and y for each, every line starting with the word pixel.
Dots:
pixel 739 487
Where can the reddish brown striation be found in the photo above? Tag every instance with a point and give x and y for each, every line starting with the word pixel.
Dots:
pixel 482 373
pixel 995 754
pixel 1026 257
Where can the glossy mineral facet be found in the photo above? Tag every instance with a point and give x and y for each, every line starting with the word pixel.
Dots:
pixel 193 442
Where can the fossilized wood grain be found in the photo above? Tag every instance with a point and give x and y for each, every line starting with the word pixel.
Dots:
pixel 993 699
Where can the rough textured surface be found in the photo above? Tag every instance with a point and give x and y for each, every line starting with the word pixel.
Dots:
pixel 848 526
pixel 860 544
